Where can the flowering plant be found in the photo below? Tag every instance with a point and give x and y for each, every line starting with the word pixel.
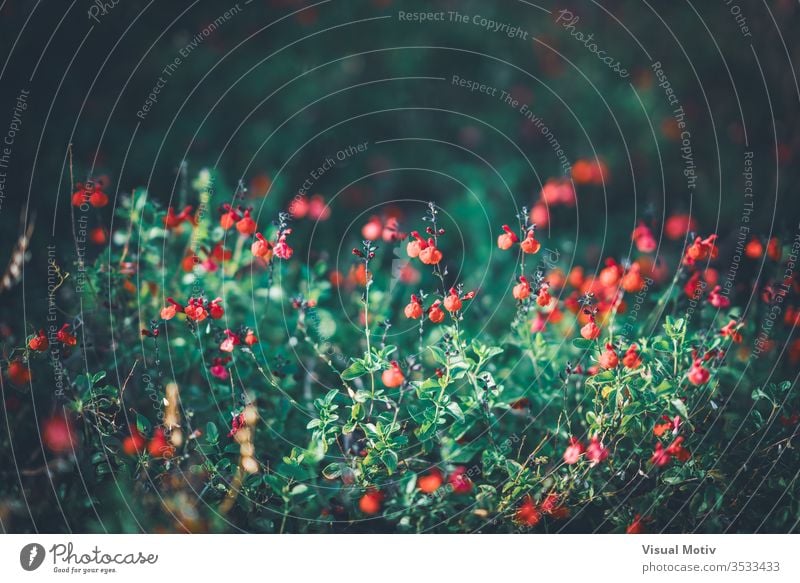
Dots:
pixel 236 375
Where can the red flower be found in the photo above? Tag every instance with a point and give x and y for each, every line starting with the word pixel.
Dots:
pixel 631 359
pixel 522 290
pixel 573 452
pixel 661 457
pixel 698 374
pixel 608 359
pixel 507 239
pixel 39 343
pixel 218 369
pixel 134 443
pixel 677 450
pixel 168 312
pixel 551 505
pixel 58 435
pixel 230 342
pixel 636 527
pixel 373 229
pixel 261 248
pixel 527 513
pixel 670 425
pixel 452 302
pixel 595 452
pixel 459 481
pixel 718 300
pixel 237 423
pixel 246 225
pixel 250 338
pixel 64 336
pixel 370 503
pixel 430 255
pixel 415 246
pixel 195 311
pixel 413 310
pixel 543 298
pixel 591 330
pixel 159 446
pixel 430 482
pixel 18 373
pixel 228 218
pixel 731 329
pixel 530 245
pixel 435 313
pixel 643 238
pixel 172 220
pixel 701 250
pixel 677 226
pixel 215 309
pixel 393 377
pixel 282 249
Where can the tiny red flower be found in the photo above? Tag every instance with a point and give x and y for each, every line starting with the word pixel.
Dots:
pixel 631 359
pixel 718 300
pixel 527 514
pixel 595 452
pixel 661 457
pixel 39 343
pixel 215 309
pixel 65 337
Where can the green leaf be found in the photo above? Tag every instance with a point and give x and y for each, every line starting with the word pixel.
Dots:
pixel 438 355
pixel 390 460
pixel 455 410
pixel 582 343
pixel 142 424
pixel 353 371
pixel 680 406
pixel 212 433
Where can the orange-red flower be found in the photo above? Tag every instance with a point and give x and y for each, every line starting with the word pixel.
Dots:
pixel 522 290
pixel 507 239
pixel 393 377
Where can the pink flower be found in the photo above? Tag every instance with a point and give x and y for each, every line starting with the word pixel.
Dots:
pixel 573 452
pixel 230 341
pixel 595 452
pixel 282 248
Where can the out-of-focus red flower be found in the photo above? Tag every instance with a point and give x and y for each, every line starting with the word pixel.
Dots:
pixel 58 435
pixel 573 451
pixel 677 226
pixel 460 481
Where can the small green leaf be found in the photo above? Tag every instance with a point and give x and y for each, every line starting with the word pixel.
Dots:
pixel 212 434
pixel 680 406
pixel 353 371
